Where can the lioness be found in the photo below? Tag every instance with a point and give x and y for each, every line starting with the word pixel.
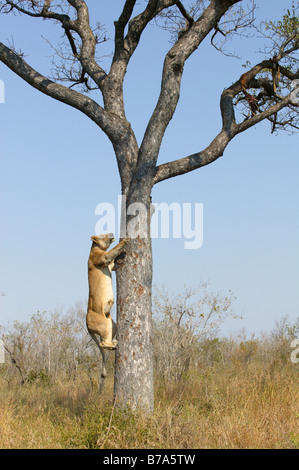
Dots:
pixel 100 265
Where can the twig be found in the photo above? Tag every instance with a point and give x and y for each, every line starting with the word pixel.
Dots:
pixel 101 446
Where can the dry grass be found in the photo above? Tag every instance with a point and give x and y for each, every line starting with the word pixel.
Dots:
pixel 224 406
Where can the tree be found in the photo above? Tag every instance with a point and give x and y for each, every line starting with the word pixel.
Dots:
pixel 51 346
pixel 182 322
pixel 138 168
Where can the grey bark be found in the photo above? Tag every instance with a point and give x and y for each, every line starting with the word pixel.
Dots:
pixel 138 165
pixel 134 364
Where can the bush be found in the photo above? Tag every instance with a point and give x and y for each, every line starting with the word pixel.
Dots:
pixel 182 324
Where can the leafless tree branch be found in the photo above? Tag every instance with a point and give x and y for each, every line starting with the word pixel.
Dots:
pixel 230 127
pixel 81 26
pixel 59 92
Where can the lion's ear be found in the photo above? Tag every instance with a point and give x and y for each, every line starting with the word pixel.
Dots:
pixel 94 239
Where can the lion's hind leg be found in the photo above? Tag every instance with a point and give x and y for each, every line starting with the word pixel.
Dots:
pixel 103 353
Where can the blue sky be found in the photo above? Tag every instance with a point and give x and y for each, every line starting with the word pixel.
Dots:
pixel 57 166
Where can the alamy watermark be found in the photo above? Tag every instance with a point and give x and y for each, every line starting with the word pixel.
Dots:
pixel 2 352
pixel 175 220
pixel 295 353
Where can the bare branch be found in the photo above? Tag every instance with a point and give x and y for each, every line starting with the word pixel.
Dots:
pixel 189 18
pixel 87 53
pixel 71 97
pixel 271 77
pixel 230 128
pixel 235 22
pixel 72 42
pixel 282 123
pixel 121 23
pixel 15 361
pixel 265 114
pixel 125 47
pixel 172 74
pixel 215 149
pixel 81 26
pixel 43 13
pixel 282 52
pixel 194 161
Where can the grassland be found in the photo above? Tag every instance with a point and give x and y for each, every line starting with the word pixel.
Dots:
pixel 210 393
pixel 237 405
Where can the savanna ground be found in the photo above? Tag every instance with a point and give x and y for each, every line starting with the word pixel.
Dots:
pixel 232 407
pixel 223 393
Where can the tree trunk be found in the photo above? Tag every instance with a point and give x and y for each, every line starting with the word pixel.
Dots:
pixel 134 365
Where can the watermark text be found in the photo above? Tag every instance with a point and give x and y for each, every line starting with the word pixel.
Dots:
pixel 295 353
pixel 2 352
pixel 174 220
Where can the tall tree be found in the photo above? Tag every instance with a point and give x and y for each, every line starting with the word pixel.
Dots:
pixel 264 91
